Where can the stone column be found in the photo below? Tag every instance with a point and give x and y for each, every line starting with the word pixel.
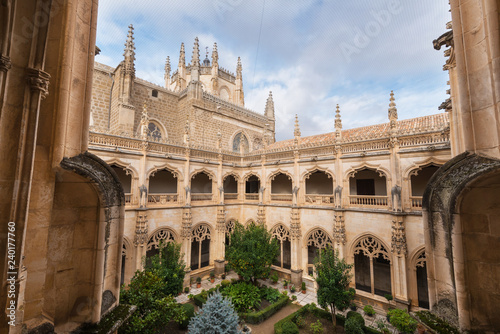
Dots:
pixel 220 230
pixel 296 247
pixel 399 251
pixel 186 233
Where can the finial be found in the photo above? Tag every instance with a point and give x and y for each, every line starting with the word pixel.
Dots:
pixel 296 132
pixel 167 64
pixel 182 56
pixel 215 56
pixel 393 111
pixel 338 120
pixel 195 60
pixel 270 106
pixel 239 68
pixel 129 44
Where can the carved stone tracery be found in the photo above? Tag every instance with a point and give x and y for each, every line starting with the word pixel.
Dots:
pixel 371 247
pixel 280 233
pixel 319 239
pixel 398 243
pixel 141 229
pixel 162 236
pixel 201 233
pixel 339 229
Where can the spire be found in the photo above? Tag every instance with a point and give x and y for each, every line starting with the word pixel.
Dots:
pixel 215 56
pixel 393 111
pixel 270 106
pixel 129 52
pixel 195 61
pixel 296 132
pixel 168 68
pixel 240 97
pixel 338 120
pixel 129 44
pixel 239 69
pixel 182 57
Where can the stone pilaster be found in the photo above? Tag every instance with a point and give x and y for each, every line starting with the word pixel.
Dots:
pixel 186 232
pixel 399 251
pixel 296 242
pixel 261 215
pixel 141 236
pixel 339 236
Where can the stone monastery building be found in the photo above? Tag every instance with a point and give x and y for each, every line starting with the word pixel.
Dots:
pixel 97 167
pixel 193 160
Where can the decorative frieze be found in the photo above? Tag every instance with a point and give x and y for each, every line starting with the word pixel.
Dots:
pixel 221 220
pixel 339 229
pixel 187 221
pixel 141 229
pixel 295 228
pixel 261 215
pixel 398 243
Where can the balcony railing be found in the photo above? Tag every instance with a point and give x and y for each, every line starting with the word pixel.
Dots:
pixel 162 199
pixel 416 202
pixel 368 201
pixel 252 197
pixel 281 197
pixel 201 197
pixel 229 197
pixel 319 199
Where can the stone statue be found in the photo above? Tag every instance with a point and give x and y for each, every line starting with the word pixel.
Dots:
pixel 396 198
pixel 143 190
pixel 338 196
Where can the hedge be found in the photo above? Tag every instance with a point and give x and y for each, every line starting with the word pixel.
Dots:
pixel 259 316
pixel 319 313
pixel 251 317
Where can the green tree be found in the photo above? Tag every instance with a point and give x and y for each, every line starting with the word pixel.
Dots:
pixel 169 266
pixel 155 309
pixel 252 251
pixel 333 276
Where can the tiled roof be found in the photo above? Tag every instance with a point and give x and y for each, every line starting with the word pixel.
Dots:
pixel 416 125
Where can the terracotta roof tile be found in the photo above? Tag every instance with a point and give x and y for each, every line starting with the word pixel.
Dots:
pixel 405 127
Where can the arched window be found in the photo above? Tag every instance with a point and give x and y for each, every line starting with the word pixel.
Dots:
pixel 368 188
pixel 160 237
pixel 230 187
pixel 419 179
pixel 240 142
pixel 124 258
pixel 200 247
pixel 162 188
pixel 372 267
pixel 319 188
pixel 317 240
pixel 281 188
pixel 284 260
pixel 154 132
pixel 422 287
pixel 224 94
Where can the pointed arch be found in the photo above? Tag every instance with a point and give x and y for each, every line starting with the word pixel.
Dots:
pixel 210 174
pixel 307 173
pixel 236 176
pixel 415 167
pixel 282 234
pixel 201 235
pixel 275 173
pixel 129 169
pixel 166 166
pixel 160 234
pixel 243 134
pixel 382 171
pixel 249 174
pixel 318 237
pixel 162 128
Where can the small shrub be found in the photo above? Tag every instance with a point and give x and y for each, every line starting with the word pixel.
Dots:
pixel 382 327
pixel 402 321
pixel 190 296
pixel 198 279
pixel 352 326
pixel 243 295
pixel 285 284
pixel 189 311
pixel 303 286
pixel 358 318
pixel 300 321
pixel 353 307
pixel 233 280
pixel 274 277
pixel 368 309
pixel 388 297
pixel 436 323
pixel 289 328
pixel 186 289
pixel 212 274
pixel 292 289
pixel 270 294
pixel 317 327
pixel 285 293
pixel 225 283
pixel 294 297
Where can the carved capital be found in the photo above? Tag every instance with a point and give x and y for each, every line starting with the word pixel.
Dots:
pixel 5 63
pixel 38 81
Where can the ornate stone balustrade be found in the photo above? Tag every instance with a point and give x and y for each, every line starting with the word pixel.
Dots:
pixel 281 197
pixel 320 199
pixel 416 202
pixel 230 197
pixel 201 197
pixel 368 201
pixel 252 197
pixel 162 199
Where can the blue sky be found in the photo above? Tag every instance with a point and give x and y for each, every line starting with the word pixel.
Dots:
pixel 311 54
